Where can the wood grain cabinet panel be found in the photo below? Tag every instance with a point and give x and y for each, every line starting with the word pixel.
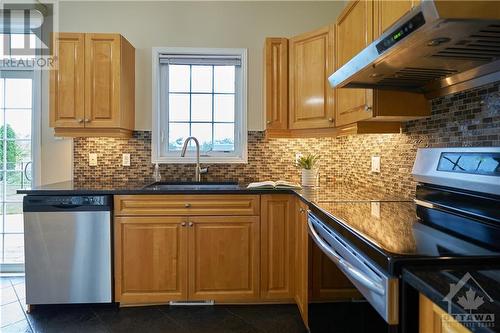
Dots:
pixel 302 260
pixel 150 259
pixel 67 81
pixel 93 86
pixel 311 97
pixel 276 83
pixel 127 205
pixel 224 258
pixel 431 319
pixel 277 246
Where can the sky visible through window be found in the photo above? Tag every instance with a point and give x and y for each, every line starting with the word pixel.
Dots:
pixel 201 101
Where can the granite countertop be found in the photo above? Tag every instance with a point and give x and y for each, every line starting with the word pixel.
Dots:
pixel 477 287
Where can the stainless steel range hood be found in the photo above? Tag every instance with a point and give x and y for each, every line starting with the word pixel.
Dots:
pixel 438 47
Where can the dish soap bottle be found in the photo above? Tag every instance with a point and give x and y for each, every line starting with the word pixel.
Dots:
pixel 156 173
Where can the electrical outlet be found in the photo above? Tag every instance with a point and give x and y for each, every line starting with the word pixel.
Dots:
pixel 125 159
pixel 93 159
pixel 297 156
pixel 375 209
pixel 376 164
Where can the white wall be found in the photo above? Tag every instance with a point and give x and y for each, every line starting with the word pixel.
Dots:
pixel 240 24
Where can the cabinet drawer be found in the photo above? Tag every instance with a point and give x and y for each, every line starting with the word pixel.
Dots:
pixel 186 205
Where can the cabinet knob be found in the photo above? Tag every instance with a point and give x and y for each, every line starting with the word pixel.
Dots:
pixel 368 108
pixel 302 210
pixel 183 224
pixel 268 122
pixel 187 205
pixel 87 120
pixel 330 120
pixel 80 120
pixel 190 224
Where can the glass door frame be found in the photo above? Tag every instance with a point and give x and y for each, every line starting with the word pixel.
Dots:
pixel 36 117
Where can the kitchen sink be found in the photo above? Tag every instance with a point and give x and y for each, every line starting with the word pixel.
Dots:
pixel 192 186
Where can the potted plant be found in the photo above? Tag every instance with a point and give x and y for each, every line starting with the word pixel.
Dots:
pixel 309 174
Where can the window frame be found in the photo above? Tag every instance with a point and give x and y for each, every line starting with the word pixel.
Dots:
pixel 160 119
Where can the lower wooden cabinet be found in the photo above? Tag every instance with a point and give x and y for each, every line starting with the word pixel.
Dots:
pixel 223 258
pixel 158 259
pixel 432 319
pixel 277 246
pixel 302 260
pixel 150 259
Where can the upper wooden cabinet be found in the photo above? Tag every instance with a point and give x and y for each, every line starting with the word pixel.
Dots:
pixel 276 83
pixel 92 89
pixel 358 25
pixel 311 97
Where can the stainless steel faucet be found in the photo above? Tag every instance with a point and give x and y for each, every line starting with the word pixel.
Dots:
pixel 198 170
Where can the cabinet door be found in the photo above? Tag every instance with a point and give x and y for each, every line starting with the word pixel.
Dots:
pixel 311 97
pixel 431 319
pixel 67 81
pixel 277 250
pixel 328 282
pixel 276 83
pixel 102 80
pixel 354 31
pixel 388 12
pixel 224 258
pixel 302 261
pixel 150 259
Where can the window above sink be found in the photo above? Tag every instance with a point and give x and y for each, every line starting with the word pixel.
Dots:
pixel 200 93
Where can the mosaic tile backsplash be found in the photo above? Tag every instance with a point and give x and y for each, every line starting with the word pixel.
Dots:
pixel 470 118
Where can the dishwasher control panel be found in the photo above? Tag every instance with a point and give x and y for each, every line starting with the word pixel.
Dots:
pixel 85 202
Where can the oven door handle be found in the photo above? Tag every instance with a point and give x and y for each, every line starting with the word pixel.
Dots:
pixel 350 270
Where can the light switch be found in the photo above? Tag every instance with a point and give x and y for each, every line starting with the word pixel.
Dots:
pixel 125 159
pixel 376 164
pixel 375 209
pixel 93 159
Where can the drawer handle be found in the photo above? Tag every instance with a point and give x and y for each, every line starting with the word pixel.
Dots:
pixel 190 224
pixel 187 205
pixel 183 224
pixel 368 108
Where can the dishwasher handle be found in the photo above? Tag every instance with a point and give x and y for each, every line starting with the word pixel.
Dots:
pixel 345 266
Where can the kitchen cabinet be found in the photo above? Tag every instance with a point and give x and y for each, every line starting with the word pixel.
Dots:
pixel 186 247
pixel 150 259
pixel 275 93
pixel 302 260
pixel 277 246
pixel 311 97
pixel 431 319
pixel 357 26
pixel 224 258
pixel 388 12
pixel 92 89
pixel 328 282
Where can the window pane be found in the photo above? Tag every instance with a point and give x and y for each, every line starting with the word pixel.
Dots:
pixel 177 133
pixel 17 41
pixel 18 154
pixel 3 53
pixel 224 137
pixel 18 93
pixel 224 108
pixel 224 79
pixel 13 248
pixel 179 107
pixel 15 181
pixel 2 81
pixel 201 79
pixel 14 217
pixel 201 109
pixel 203 132
pixel 18 123
pixel 178 78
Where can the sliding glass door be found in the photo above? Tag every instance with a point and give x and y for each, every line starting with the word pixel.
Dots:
pixel 16 163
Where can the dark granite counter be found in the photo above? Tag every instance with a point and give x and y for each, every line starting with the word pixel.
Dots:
pixel 470 290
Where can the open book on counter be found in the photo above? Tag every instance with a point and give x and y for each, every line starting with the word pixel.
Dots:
pixel 280 184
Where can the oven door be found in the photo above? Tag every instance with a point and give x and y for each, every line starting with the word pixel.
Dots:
pixel 379 289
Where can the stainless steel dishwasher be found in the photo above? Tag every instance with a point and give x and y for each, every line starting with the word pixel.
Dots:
pixel 67 249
